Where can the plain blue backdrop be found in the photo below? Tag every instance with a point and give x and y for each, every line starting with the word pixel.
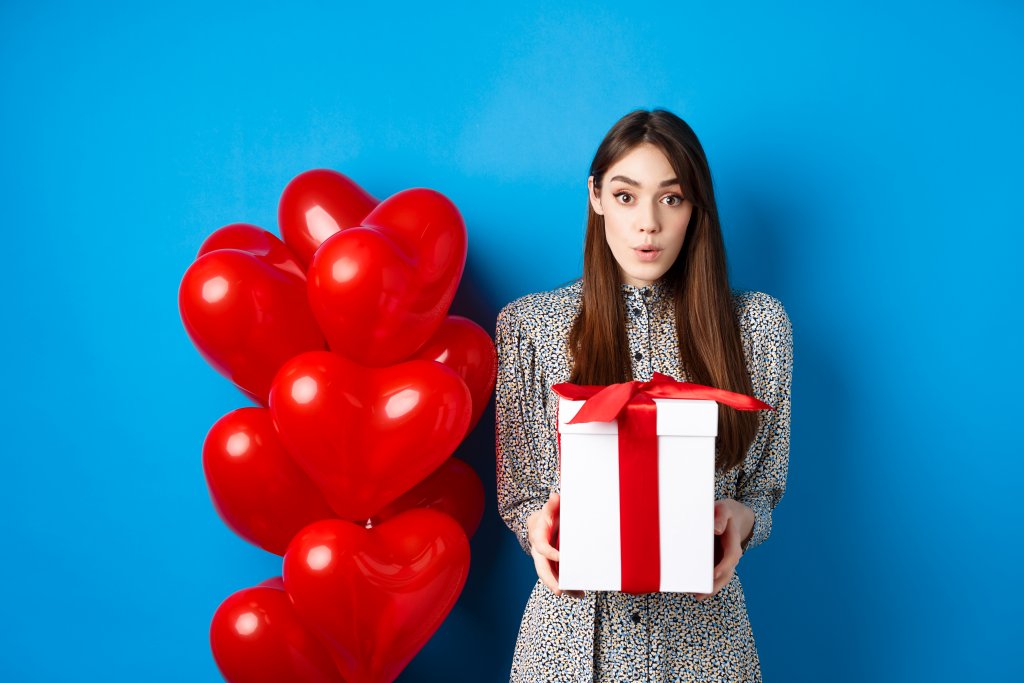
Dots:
pixel 867 159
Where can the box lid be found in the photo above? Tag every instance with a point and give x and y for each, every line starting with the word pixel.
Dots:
pixel 676 417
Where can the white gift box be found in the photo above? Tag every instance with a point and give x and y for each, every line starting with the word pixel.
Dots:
pixel 589 526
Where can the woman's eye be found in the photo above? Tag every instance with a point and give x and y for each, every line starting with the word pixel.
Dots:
pixel 674 200
pixel 624 197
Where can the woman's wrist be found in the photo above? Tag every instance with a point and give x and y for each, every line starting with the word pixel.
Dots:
pixel 747 520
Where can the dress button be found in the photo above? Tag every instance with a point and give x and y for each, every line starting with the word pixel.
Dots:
pixel 636 617
pixel 636 309
pixel 638 356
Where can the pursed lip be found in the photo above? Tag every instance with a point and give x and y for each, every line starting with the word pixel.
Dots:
pixel 647 247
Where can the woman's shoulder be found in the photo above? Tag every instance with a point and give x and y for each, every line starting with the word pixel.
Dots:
pixel 543 311
pixel 760 313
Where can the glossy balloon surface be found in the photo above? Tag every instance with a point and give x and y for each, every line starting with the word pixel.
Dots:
pixel 453 488
pixel 367 435
pixel 315 205
pixel 466 348
pixel 256 487
pixel 340 330
pixel 375 596
pixel 257 637
pixel 273 582
pixel 381 290
pixel 256 241
pixel 246 317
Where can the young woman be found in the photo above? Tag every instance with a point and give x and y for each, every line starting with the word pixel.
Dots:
pixel 654 297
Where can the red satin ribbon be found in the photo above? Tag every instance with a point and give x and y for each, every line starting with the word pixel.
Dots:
pixel 632 405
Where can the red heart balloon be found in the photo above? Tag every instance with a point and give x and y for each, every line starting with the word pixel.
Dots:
pixel 453 488
pixel 367 435
pixel 375 596
pixel 256 637
pixel 256 487
pixel 273 582
pixel 246 317
pixel 381 290
pixel 256 241
pixel 466 348
pixel 315 205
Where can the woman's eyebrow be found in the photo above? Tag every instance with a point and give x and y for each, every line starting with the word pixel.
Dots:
pixel 630 181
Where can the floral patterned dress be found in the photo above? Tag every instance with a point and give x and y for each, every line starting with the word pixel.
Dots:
pixel 612 636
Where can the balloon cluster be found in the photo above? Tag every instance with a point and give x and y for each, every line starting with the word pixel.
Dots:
pixel 365 387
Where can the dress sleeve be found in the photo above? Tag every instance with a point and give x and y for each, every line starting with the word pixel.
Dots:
pixel 523 481
pixel 762 481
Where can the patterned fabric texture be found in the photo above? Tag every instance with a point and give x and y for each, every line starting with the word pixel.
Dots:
pixel 611 636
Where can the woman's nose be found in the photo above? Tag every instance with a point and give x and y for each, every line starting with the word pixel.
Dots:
pixel 648 220
pixel 649 224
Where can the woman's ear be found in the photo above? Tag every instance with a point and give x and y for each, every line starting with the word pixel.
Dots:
pixel 595 200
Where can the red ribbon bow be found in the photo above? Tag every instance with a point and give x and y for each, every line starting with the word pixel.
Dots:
pixel 632 405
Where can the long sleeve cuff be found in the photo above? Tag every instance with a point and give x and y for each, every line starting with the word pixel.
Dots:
pixel 761 505
pixel 516 516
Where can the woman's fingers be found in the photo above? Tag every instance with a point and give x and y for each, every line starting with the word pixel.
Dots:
pixel 725 525
pixel 543 529
pixel 541 526
pixel 724 578
pixel 542 546
pixel 731 551
pixel 547 573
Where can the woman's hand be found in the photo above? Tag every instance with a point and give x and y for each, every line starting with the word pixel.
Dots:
pixel 542 528
pixel 733 522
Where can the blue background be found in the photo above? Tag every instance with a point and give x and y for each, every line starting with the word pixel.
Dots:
pixel 867 158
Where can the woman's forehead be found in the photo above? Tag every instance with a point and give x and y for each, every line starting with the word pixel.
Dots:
pixel 642 166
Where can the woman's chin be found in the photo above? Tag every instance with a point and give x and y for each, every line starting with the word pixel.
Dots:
pixel 642 277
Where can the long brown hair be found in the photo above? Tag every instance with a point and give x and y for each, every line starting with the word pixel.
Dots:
pixel 710 347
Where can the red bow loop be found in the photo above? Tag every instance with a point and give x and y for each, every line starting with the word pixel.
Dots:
pixel 604 404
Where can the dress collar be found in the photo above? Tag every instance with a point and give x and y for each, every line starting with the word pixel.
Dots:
pixel 658 291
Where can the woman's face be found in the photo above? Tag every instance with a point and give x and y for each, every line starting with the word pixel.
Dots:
pixel 645 213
